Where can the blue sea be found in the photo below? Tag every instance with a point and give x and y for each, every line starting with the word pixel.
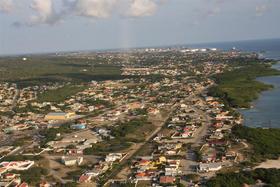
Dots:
pixel 269 48
pixel 266 110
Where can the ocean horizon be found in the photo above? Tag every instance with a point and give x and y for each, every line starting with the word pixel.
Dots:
pixel 270 48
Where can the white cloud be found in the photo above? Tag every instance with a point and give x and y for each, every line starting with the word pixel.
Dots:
pixel 140 8
pixel 261 9
pixel 94 8
pixel 50 12
pixel 44 11
pixel 6 6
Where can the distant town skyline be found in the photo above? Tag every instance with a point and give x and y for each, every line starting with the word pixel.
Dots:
pixel 39 26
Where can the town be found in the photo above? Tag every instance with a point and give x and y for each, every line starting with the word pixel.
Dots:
pixel 156 125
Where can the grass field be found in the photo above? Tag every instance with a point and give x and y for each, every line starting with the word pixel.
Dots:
pixel 60 94
pixel 125 135
pixel 43 69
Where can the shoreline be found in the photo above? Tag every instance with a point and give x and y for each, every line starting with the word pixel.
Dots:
pixel 238 87
pixel 254 103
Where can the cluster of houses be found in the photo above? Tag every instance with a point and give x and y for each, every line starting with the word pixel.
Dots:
pixel 101 167
pixel 156 70
pixel 77 141
pixel 159 170
pixel 216 152
pixel 8 178
pixel 18 107
pixel 118 100
pixel 8 93
pixel 184 122
pixel 168 149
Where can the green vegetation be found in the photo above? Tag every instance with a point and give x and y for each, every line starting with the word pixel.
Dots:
pixel 50 134
pixel 265 142
pixel 115 169
pixel 124 134
pixel 106 147
pixel 20 158
pixel 33 175
pixel 269 176
pixel 147 149
pixel 21 141
pixel 126 131
pixel 74 174
pixel 70 184
pixel 139 112
pixel 28 108
pixel 38 70
pixel 60 94
pixel 127 184
pixel 191 177
pixel 96 102
pixel 9 114
pixel 238 87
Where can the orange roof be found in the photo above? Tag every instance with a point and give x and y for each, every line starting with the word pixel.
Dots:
pixel 144 162
pixel 2 170
pixel 142 174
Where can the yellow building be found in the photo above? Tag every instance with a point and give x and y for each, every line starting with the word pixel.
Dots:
pixel 59 116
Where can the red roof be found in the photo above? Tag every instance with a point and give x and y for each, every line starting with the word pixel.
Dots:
pixel 84 178
pixel 2 170
pixel 217 142
pixel 9 175
pixel 23 185
pixel 167 179
pixel 172 162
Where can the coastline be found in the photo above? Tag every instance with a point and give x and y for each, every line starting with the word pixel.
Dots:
pixel 252 116
pixel 261 138
pixel 238 86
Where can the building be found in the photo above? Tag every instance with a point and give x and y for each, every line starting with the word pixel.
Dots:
pixel 16 165
pixel 18 127
pixel 23 185
pixel 70 161
pixel 207 167
pixel 112 157
pixel 78 126
pixel 167 180
pixel 59 116
pixel 2 171
pixel 85 178
pixel 135 105
pixel 44 184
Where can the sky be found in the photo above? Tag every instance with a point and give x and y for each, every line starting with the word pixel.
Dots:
pixel 38 26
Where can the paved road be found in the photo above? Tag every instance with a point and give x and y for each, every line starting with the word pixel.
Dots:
pixel 138 146
pixel 190 163
pixel 15 99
